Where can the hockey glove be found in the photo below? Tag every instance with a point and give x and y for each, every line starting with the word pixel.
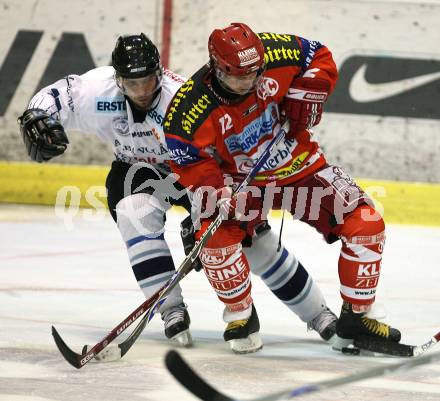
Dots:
pixel 43 136
pixel 303 103
pixel 187 233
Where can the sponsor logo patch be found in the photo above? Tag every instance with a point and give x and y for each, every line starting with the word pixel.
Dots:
pixel 191 116
pixel 120 125
pixel 248 139
pixel 275 36
pixel 368 275
pixel 138 69
pixel 178 97
pixel 250 110
pixel 267 87
pixel 182 156
pixel 153 114
pixel 248 56
pixel 283 53
pixel 110 105
pixel 182 153
pixel 285 171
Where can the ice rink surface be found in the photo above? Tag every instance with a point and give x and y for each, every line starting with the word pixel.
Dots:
pixel 77 277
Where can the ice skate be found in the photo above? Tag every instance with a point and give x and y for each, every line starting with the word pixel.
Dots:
pixel 177 323
pixel 324 324
pixel 354 329
pixel 242 335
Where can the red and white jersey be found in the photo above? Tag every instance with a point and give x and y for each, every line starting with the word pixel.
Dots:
pixel 208 136
pixel 93 103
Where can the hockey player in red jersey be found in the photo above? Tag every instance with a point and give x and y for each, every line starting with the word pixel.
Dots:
pixel 125 104
pixel 217 125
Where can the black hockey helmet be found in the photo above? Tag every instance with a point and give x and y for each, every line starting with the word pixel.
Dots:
pixel 135 56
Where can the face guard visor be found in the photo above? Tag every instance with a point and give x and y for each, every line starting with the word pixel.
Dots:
pixel 239 84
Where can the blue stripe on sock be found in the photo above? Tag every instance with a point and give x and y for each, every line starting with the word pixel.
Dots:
pixel 141 238
pixel 276 266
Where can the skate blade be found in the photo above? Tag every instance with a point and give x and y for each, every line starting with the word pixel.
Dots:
pixel 340 343
pixel 183 339
pixel 110 353
pixel 344 345
pixel 332 339
pixel 252 343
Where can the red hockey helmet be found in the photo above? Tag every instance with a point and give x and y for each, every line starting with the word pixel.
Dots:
pixel 236 50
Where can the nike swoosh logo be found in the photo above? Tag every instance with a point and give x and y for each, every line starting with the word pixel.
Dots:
pixel 362 91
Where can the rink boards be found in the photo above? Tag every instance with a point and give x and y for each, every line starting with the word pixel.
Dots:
pixel 83 186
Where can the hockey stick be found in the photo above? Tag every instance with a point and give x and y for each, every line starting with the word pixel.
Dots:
pixel 79 360
pixel 150 306
pixel 194 383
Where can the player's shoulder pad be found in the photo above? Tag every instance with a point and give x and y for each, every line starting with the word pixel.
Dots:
pixel 190 107
pixel 281 50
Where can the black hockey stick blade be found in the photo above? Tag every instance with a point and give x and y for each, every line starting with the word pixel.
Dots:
pixel 70 356
pixel 384 347
pixel 203 390
pixel 189 379
pixel 395 349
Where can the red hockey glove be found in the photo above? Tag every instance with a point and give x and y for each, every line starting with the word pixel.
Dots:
pixel 303 103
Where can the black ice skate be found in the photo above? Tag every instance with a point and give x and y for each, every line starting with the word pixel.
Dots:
pixel 242 335
pixel 324 324
pixel 177 322
pixel 356 330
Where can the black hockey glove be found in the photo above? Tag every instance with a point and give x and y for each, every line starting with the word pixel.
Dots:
pixel 187 234
pixel 43 136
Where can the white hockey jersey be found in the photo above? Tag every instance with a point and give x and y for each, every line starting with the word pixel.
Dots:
pixel 93 103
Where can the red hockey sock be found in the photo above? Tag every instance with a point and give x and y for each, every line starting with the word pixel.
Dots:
pixel 363 238
pixel 227 268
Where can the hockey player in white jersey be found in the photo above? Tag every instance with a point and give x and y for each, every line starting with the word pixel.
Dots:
pixel 125 104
